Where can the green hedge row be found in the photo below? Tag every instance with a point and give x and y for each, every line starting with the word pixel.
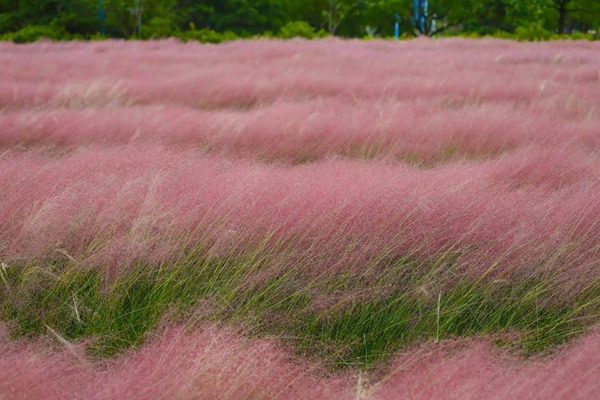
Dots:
pixel 156 30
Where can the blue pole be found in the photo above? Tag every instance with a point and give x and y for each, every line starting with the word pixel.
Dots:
pixel 139 7
pixel 101 16
pixel 397 27
pixel 417 12
pixel 424 15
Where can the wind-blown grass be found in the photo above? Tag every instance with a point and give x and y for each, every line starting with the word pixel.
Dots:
pixel 115 206
pixel 348 331
pixel 213 363
pixel 342 206
pixel 304 101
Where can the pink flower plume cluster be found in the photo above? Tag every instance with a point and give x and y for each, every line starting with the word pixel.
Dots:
pixel 208 364
pixel 304 101
pixel 115 205
pixel 475 370
pixel 217 364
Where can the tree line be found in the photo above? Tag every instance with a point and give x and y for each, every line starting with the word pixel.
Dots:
pixel 222 19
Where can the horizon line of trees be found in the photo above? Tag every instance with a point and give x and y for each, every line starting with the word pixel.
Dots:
pixel 246 18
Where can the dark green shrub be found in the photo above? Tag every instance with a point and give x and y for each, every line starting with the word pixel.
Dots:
pixel 206 35
pixel 158 27
pixel 533 31
pixel 31 33
pixel 297 29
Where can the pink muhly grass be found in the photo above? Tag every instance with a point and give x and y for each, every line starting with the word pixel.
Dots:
pixel 197 75
pixel 215 363
pixel 146 202
pixel 308 131
pixel 207 364
pixel 473 369
pixel 474 158
pixel 304 100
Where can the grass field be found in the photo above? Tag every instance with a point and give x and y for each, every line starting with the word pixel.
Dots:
pixel 300 220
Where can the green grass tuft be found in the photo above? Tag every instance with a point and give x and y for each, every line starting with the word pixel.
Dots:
pixel 80 303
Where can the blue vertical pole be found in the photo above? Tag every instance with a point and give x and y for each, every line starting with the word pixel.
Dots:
pixel 421 8
pixel 417 13
pixel 424 14
pixel 101 16
pixel 139 9
pixel 397 27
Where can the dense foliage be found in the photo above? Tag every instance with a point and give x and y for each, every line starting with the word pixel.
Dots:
pixel 218 20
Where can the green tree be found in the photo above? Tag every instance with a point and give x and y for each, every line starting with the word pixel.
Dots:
pixel 159 18
pixel 74 16
pixel 245 16
pixel 575 14
pixel 310 11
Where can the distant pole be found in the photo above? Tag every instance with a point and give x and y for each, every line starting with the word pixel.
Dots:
pixel 140 9
pixel 101 16
pixel 397 27
pixel 137 12
pixel 417 14
pixel 424 15
pixel 421 10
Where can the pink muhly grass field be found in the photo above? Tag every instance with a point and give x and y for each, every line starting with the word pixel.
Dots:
pixel 107 205
pixel 475 370
pixel 207 364
pixel 214 363
pixel 479 159
pixel 421 101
